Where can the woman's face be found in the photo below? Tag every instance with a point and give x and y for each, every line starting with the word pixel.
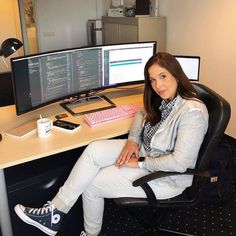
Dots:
pixel 162 81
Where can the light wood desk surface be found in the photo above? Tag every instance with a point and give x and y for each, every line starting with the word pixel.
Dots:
pixel 14 151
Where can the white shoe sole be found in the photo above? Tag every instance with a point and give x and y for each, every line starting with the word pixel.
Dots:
pixel 29 221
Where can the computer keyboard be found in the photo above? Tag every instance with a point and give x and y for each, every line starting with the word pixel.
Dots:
pixel 112 114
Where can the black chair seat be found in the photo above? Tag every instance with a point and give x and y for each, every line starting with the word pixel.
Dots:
pixel 183 199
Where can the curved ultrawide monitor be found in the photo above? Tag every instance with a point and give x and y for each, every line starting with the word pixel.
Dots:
pixel 52 76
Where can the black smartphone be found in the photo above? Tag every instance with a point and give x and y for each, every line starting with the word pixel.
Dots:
pixel 66 125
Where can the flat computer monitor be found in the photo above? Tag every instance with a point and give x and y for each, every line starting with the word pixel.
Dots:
pixel 47 77
pixel 190 66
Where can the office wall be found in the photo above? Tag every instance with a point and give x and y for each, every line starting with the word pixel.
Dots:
pixel 9 26
pixel 206 28
pixel 63 24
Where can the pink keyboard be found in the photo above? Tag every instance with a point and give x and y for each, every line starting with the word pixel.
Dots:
pixel 110 115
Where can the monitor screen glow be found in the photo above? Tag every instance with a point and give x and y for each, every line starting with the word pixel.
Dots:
pixel 47 77
pixel 190 66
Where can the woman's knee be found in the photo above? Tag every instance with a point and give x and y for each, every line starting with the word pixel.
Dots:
pixel 94 148
pixel 94 144
pixel 110 147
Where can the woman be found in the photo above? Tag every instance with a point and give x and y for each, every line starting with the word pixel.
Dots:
pixel 166 135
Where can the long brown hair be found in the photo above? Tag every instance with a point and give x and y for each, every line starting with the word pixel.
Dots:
pixel 151 99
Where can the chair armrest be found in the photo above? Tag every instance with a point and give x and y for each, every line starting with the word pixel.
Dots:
pixel 143 181
pixel 162 174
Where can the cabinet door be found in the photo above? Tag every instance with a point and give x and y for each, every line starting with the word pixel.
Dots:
pixel 111 32
pixel 128 33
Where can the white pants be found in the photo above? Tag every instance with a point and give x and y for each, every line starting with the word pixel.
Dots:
pixel 95 177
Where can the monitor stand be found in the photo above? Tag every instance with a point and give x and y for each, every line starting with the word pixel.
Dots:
pixel 83 105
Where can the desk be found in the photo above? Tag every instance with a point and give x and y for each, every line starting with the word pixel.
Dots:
pixel 14 151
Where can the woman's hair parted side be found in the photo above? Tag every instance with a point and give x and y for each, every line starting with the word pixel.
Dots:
pixel 151 100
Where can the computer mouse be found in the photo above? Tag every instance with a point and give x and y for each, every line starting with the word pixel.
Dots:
pixel 0 137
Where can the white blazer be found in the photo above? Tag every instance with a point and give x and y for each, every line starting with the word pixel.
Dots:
pixel 175 145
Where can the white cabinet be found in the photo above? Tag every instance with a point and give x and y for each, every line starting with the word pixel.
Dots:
pixel 134 29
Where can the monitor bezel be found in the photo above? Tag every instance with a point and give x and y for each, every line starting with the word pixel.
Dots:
pixel 199 62
pixel 78 94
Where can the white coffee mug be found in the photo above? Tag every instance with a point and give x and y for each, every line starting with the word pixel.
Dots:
pixel 44 127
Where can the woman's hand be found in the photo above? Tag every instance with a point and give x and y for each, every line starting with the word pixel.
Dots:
pixel 129 150
pixel 133 163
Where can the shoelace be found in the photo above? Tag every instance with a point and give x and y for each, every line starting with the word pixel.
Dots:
pixel 82 233
pixel 51 208
pixel 47 208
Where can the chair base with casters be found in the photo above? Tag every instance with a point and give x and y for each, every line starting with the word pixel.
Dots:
pixel 219 115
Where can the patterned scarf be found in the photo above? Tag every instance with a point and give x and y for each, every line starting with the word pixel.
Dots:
pixel 149 130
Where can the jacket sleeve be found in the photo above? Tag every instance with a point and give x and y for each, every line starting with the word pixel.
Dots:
pixel 136 128
pixel 191 130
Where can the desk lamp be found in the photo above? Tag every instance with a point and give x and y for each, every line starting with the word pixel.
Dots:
pixel 8 47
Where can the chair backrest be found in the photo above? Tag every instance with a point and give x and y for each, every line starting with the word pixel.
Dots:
pixel 219 115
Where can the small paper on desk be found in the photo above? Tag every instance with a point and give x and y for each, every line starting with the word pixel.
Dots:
pixel 23 130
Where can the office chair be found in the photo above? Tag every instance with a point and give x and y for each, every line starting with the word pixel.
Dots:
pixel 219 115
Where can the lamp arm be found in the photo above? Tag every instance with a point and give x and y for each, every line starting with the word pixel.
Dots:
pixel 4 61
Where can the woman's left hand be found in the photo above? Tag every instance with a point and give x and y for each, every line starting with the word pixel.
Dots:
pixel 133 163
pixel 129 151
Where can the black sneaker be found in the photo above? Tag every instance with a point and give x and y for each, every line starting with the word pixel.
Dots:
pixel 46 218
pixel 82 233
